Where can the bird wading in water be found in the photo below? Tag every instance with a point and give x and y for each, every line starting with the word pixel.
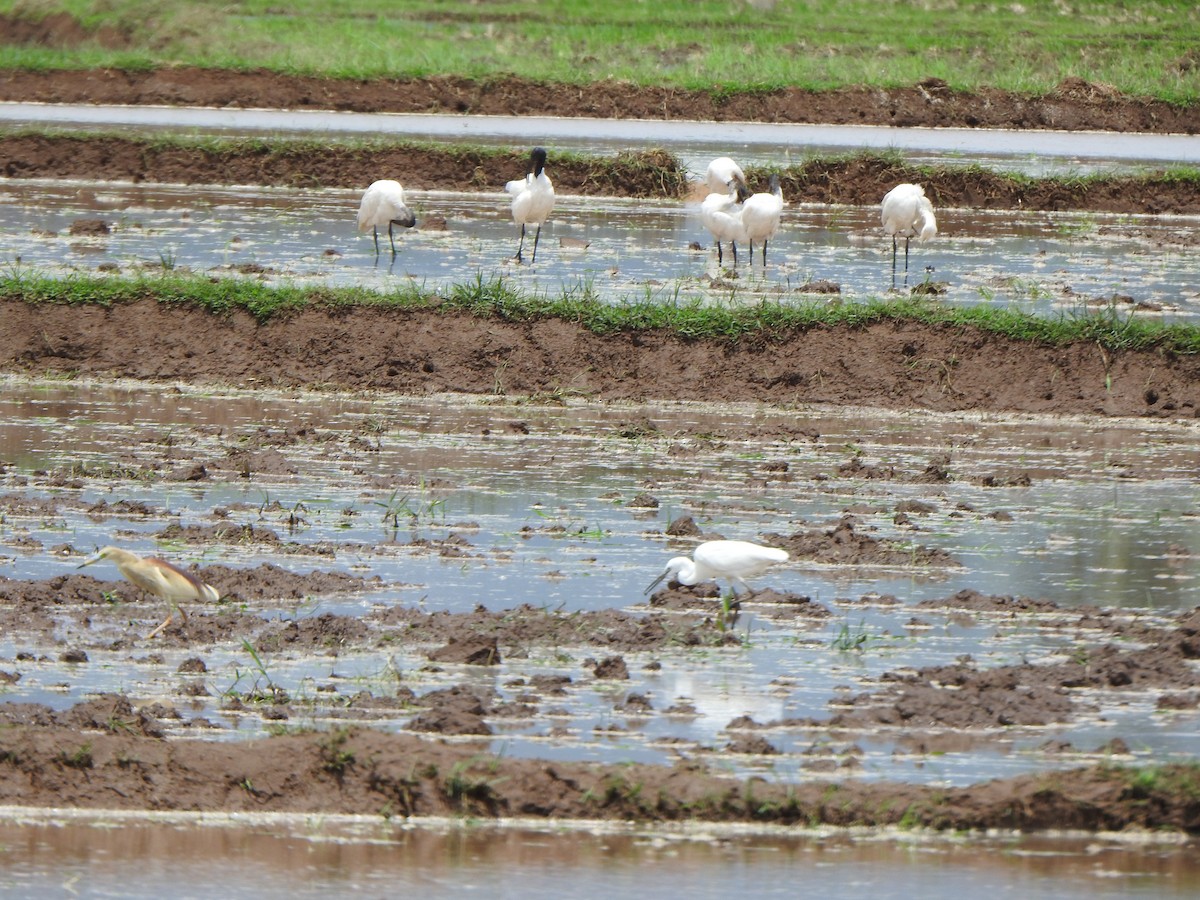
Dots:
pixel 532 200
pixel 158 577
pixel 383 204
pixel 734 561
pixel 760 217
pixel 906 212
pixel 722 216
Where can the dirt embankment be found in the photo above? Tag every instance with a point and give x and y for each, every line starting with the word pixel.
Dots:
pixel 858 181
pixel 1075 105
pixel 899 364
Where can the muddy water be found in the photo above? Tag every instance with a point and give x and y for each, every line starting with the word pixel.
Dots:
pixel 313 857
pixel 544 501
pixel 542 496
pixel 619 250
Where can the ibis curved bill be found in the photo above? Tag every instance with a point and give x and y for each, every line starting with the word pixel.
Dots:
pixel 383 204
pixel 734 561
pixel 158 577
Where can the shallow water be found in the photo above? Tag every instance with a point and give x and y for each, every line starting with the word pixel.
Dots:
pixel 544 507
pixel 616 249
pixel 1035 152
pixel 108 856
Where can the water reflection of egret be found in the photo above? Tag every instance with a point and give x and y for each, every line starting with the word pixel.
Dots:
pixel 157 577
pixel 720 700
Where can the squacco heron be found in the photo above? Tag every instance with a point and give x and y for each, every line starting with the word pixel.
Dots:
pixel 158 577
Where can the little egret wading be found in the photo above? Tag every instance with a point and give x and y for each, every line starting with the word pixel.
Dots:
pixel 383 204
pixel 732 560
pixel 158 577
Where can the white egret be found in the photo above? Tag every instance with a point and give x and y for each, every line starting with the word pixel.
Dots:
pixel 906 212
pixel 383 204
pixel 732 560
pixel 158 577
pixel 722 216
pixel 533 199
pixel 760 217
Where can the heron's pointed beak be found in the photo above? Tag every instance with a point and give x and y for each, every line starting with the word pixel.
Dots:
pixel 95 557
pixel 655 583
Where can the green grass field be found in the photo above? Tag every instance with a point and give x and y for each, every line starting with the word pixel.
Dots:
pixel 1143 48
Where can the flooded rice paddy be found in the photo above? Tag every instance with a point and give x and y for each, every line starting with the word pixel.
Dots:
pixel 617 249
pixel 547 502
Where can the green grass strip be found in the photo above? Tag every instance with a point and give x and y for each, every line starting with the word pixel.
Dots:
pixel 697 317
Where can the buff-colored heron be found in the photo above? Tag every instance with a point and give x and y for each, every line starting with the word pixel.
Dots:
pixel 158 577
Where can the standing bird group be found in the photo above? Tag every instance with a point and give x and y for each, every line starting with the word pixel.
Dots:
pixel 532 201
pixel 731 213
pixel 160 578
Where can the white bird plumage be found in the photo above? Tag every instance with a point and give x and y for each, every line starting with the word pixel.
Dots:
pixel 533 199
pixel 158 577
pixel 722 216
pixel 383 204
pixel 906 212
pixel 733 560
pixel 760 217
pixel 722 175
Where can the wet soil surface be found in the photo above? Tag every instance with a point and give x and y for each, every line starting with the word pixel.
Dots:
pixel 894 365
pixel 116 750
pixel 411 748
pixel 1073 105
pixel 111 751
